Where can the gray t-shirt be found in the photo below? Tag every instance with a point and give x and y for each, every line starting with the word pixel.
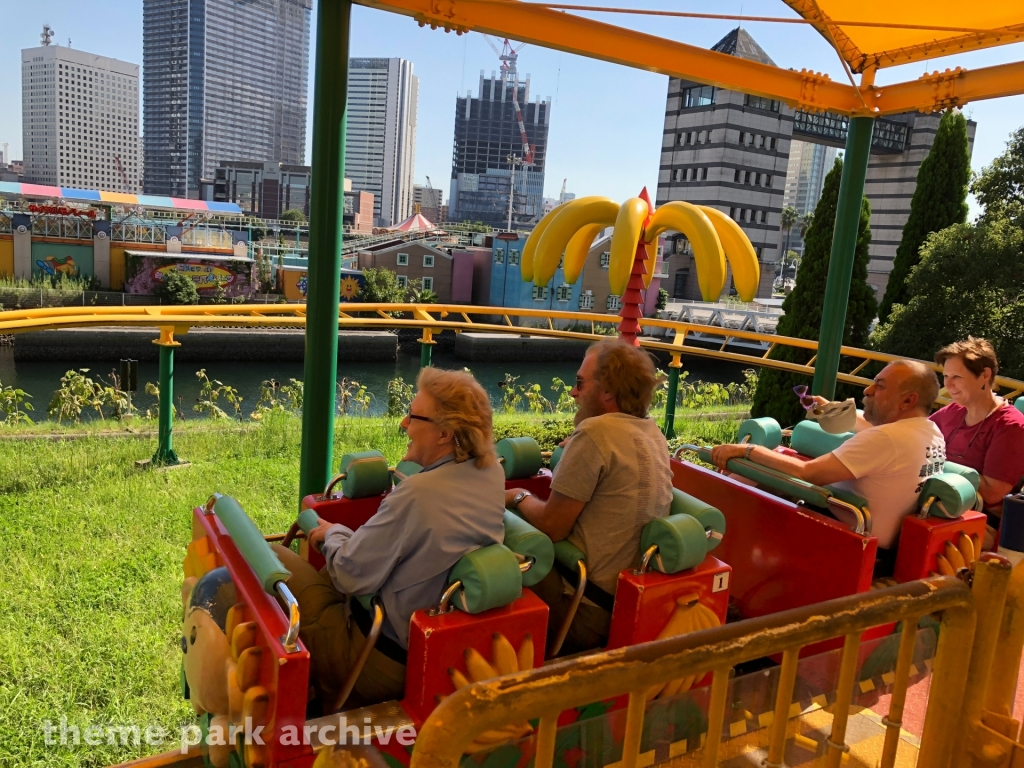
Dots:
pixel 619 465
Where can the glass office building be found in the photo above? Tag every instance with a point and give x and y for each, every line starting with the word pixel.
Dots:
pixel 222 81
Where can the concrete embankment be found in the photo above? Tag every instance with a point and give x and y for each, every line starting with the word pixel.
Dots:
pixel 198 345
pixel 505 348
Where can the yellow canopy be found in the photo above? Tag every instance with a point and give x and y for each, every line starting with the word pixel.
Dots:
pixel 918 29
pixel 924 29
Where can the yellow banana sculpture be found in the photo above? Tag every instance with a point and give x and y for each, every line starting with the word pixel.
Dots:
pixel 570 230
pixel 690 615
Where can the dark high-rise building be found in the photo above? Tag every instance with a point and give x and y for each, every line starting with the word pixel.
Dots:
pixel 486 133
pixel 221 80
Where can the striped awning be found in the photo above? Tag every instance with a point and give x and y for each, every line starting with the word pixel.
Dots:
pixel 116 198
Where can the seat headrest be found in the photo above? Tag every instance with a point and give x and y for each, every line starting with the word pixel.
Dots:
pixel 764 431
pixel 971 475
pixel 523 539
pixel 710 517
pixel 951 495
pixel 811 440
pixel 568 554
pixel 681 540
pixel 490 579
pixel 1019 403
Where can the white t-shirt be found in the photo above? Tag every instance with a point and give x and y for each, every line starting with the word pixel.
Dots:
pixel 890 463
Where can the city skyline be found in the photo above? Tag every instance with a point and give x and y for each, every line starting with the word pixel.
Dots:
pixel 607 118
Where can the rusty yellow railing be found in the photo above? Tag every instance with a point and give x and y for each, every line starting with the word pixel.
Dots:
pixel 545 692
pixel 433 318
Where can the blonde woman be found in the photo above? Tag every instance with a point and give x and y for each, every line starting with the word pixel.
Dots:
pixel 405 551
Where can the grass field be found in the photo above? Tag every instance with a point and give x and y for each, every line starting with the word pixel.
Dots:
pixel 92 568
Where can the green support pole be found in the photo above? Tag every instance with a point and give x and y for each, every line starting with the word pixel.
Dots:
pixel 673 392
pixel 165 455
pixel 327 198
pixel 426 348
pixel 844 246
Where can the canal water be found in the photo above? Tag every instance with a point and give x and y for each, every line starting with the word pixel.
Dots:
pixel 41 379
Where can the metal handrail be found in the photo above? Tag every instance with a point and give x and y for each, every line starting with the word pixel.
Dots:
pixel 545 692
pixel 433 318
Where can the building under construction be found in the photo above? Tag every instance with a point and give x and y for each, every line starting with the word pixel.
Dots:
pixel 494 133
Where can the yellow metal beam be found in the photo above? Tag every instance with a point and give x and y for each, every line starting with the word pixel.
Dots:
pixel 574 34
pixel 534 23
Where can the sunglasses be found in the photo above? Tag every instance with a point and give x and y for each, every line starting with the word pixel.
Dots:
pixel 420 418
pixel 806 400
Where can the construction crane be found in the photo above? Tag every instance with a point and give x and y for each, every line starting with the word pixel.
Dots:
pixel 509 56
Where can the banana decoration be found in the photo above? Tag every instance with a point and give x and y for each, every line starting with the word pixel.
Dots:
pixel 690 615
pixel 956 557
pixel 571 228
pixel 505 660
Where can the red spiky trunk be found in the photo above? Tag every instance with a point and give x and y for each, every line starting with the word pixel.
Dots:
pixel 633 299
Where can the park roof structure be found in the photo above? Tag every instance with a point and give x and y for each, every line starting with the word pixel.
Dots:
pixel 867 35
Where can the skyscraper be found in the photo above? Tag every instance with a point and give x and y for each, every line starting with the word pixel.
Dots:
pixel 380 138
pixel 487 133
pixel 805 175
pixel 222 80
pixel 80 119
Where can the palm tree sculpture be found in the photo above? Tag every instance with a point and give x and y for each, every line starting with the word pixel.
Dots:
pixel 570 230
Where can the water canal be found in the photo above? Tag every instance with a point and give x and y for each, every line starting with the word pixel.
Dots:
pixel 41 378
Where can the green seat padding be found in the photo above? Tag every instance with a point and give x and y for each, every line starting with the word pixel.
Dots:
pixel 568 554
pixel 811 440
pixel 403 470
pixel 250 542
pixel 711 518
pixel 523 539
pixel 953 495
pixel 556 456
pixel 971 475
pixel 1019 403
pixel 366 474
pixel 764 431
pixel 308 520
pixel 681 541
pixel 520 457
pixel 490 579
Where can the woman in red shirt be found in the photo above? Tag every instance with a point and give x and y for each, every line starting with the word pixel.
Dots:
pixel 982 430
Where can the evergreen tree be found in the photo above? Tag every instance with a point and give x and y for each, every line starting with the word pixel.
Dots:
pixel 940 200
pixel 803 307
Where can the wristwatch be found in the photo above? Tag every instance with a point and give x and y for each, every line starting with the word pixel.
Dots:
pixel 519 497
pixel 750 449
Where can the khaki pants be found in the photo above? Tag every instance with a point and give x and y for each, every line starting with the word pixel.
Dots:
pixel 334 641
pixel 589 628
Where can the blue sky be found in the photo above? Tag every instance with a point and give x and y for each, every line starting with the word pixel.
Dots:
pixel 606 121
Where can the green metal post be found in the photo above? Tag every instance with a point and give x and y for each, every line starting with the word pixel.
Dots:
pixel 426 348
pixel 673 392
pixel 165 455
pixel 327 198
pixel 844 246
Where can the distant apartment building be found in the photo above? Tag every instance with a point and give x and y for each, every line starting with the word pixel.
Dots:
pixel 805 175
pixel 265 189
pixel 486 135
pixel 448 274
pixel 729 151
pixel 357 215
pixel 380 136
pixel 80 119
pixel 429 201
pixel 222 81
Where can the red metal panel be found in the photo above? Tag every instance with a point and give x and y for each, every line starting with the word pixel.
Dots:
pixel 351 513
pixel 539 485
pixel 284 675
pixel 921 540
pixel 783 555
pixel 437 644
pixel 645 603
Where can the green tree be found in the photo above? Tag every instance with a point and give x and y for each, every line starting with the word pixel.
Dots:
pixel 420 295
pixel 663 298
pixel 968 282
pixel 803 307
pixel 790 216
pixel 940 200
pixel 178 288
pixel 999 188
pixel 380 285
pixel 294 214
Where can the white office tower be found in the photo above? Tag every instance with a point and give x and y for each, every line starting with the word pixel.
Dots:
pixel 805 176
pixel 80 119
pixel 380 140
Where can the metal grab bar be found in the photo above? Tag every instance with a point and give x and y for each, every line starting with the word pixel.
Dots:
pixel 288 640
pixel 577 598
pixel 364 655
